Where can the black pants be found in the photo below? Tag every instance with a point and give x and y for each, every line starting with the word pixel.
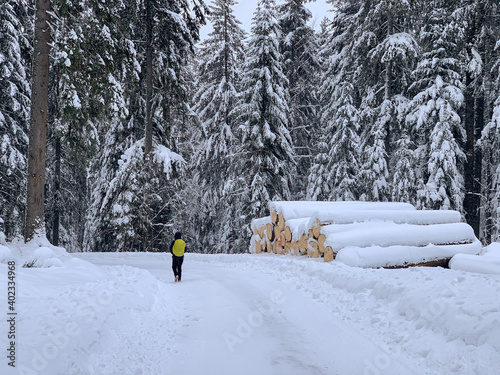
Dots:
pixel 177 265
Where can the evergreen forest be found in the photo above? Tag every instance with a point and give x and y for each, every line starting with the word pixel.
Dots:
pixel 130 128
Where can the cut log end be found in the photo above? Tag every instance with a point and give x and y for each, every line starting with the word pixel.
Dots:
pixel 329 254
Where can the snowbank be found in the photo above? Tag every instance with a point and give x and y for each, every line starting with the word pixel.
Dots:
pixel 391 256
pixel 488 261
pixel 440 321
pixel 66 313
pixel 492 250
pixel 43 257
pixel 38 253
pixel 301 209
pixel 5 254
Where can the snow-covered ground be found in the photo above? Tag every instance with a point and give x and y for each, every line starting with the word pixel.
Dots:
pixel 250 314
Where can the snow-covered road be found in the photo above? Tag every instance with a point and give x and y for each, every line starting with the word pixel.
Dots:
pixel 224 319
pixel 244 314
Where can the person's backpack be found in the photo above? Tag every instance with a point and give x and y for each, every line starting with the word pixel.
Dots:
pixel 179 247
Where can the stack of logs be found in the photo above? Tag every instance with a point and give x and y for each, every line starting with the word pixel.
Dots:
pixel 274 235
pixel 313 228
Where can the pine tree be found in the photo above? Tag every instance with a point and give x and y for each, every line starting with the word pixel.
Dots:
pixel 434 117
pixel 490 147
pixel 85 36
pixel 335 55
pixel 265 160
pixel 138 201
pixel 218 87
pixel 300 65
pixel 392 51
pixel 344 156
pixel 404 180
pixel 477 24
pixel 14 113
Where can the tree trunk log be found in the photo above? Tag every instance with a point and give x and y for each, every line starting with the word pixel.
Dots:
pixel 329 254
pixel 37 148
pixel 270 232
pixel 321 240
pixel 316 229
pixel 274 216
pixel 312 249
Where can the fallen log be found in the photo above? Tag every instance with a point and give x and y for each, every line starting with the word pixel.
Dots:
pixel 301 209
pixel 386 234
pixel 417 217
pixel 403 256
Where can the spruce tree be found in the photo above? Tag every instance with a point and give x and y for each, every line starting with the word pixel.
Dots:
pixel 336 75
pixel 85 36
pixel 404 179
pixel 14 113
pixel 138 201
pixel 392 51
pixel 344 155
pixel 434 117
pixel 300 64
pixel 265 160
pixel 221 56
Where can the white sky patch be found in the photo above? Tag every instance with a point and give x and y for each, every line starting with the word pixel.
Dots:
pixel 245 9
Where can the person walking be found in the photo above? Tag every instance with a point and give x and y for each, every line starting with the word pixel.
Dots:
pixel 177 248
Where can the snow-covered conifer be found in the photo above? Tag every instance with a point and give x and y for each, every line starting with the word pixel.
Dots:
pixel 435 120
pixel 404 180
pixel 221 56
pixel 301 66
pixel 265 161
pixel 14 112
pixel 174 30
pixel 392 51
pixel 344 154
pixel 336 75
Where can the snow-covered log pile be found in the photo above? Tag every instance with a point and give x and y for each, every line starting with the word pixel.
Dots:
pixel 364 234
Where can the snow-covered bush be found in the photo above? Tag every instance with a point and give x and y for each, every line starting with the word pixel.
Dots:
pixel 43 257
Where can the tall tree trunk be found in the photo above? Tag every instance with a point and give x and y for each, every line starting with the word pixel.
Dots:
pixel 471 204
pixel 35 216
pixel 471 199
pixel 57 192
pixel 148 142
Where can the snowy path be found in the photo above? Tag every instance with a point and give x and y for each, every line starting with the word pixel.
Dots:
pixel 226 320
pixel 248 315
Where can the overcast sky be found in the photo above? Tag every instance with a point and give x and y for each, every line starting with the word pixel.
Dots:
pixel 245 9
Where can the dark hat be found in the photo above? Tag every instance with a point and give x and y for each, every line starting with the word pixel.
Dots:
pixel 177 235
